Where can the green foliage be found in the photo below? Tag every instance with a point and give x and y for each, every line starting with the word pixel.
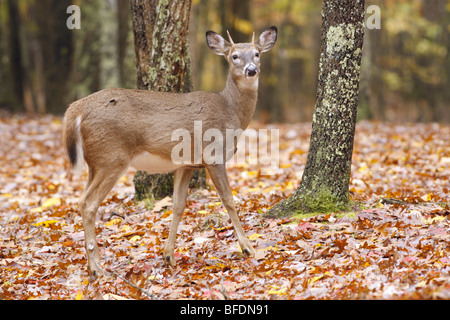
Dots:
pixel 421 53
pixel 301 216
pixel 323 202
pixel 309 203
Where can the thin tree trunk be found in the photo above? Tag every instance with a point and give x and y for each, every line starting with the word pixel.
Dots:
pixel 325 182
pixel 237 20
pixel 163 64
pixel 143 15
pixel 16 68
pixel 56 41
pixel 123 15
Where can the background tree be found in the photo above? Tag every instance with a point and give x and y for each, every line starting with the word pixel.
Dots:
pixel 16 67
pixel 123 30
pixel 88 54
pixel 325 181
pixel 40 55
pixel 163 64
pixel 56 43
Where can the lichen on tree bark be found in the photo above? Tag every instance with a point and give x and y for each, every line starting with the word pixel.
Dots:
pixel 325 181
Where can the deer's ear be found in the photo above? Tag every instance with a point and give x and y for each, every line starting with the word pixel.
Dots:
pixel 217 44
pixel 267 39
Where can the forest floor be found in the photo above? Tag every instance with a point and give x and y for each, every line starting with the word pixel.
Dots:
pixel 394 245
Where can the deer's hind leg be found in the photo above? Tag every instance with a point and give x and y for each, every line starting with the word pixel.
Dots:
pixel 100 182
pixel 181 185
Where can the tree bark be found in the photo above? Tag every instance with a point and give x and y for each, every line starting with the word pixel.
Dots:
pixel 325 181
pixel 143 15
pixel 163 64
pixel 123 18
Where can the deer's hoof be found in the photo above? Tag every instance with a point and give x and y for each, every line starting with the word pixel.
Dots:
pixel 248 250
pixel 169 260
pixel 94 273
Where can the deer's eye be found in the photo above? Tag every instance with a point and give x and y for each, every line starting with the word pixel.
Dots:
pixel 235 57
pixel 257 54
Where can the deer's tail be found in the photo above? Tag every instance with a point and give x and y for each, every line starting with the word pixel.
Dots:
pixel 72 139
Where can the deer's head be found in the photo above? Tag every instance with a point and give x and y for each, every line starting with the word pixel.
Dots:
pixel 243 58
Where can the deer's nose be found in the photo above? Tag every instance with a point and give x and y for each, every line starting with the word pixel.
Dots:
pixel 251 70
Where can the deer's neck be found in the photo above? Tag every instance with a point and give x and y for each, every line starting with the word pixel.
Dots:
pixel 242 96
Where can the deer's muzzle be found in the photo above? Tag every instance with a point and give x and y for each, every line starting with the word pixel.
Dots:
pixel 251 70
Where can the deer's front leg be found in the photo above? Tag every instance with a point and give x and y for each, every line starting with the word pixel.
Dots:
pixel 180 190
pixel 219 177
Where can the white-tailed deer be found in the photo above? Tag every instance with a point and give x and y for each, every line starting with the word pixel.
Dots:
pixel 116 128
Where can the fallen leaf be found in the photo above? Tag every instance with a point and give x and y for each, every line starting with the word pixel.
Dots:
pixel 113 222
pixel 47 223
pixel 200 240
pixel 255 236
pixel 79 295
pixel 135 238
pixel 112 296
pixel 277 291
pixel 51 202
pixel 159 205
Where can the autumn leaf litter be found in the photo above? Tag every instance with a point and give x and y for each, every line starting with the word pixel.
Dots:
pixel 393 245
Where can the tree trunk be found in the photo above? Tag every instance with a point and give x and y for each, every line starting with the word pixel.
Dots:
pixel 123 16
pixel 163 64
pixel 325 182
pixel 57 44
pixel 15 57
pixel 435 94
pixel 237 20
